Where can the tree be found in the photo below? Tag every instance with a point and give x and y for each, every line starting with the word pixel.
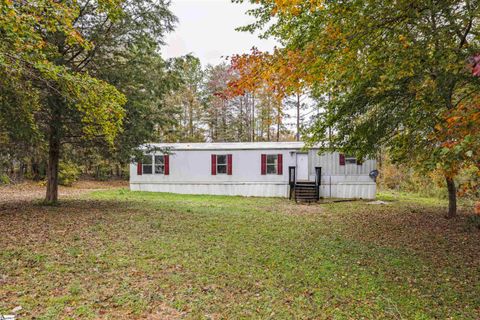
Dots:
pixel 187 100
pixel 147 80
pixel 394 71
pixel 297 102
pixel 34 37
pixel 53 48
pixel 273 73
pixel 225 114
pixel 126 55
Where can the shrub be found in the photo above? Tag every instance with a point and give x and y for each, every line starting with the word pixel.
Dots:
pixel 104 172
pixel 407 179
pixel 473 222
pixel 4 179
pixel 125 172
pixel 68 173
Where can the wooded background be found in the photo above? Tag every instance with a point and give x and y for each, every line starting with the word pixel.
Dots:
pixel 83 85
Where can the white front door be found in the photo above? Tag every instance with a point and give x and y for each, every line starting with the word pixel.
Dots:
pixel 302 166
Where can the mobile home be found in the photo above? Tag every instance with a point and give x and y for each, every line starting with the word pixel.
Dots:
pixel 262 169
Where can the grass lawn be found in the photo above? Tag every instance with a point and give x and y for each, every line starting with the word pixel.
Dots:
pixel 117 254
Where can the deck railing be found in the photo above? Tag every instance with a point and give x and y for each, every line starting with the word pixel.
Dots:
pixel 318 180
pixel 291 180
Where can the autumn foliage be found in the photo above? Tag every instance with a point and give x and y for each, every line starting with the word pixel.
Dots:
pixel 280 72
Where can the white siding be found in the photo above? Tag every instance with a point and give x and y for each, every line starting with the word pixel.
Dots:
pixel 330 163
pixel 231 189
pixel 195 166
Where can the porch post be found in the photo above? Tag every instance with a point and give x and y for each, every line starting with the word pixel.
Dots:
pixel 318 180
pixel 291 180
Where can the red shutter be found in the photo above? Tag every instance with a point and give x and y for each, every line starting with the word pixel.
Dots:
pixel 139 168
pixel 280 164
pixel 229 164
pixel 264 164
pixel 342 159
pixel 166 161
pixel 214 164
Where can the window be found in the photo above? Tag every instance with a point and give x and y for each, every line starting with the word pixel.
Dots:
pixel 159 165
pixel 147 164
pixel 222 164
pixel 272 164
pixel 350 159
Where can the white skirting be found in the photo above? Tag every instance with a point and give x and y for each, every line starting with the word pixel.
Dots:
pixel 346 190
pixel 349 190
pixel 243 189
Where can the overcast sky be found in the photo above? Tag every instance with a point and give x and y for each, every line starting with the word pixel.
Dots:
pixel 206 28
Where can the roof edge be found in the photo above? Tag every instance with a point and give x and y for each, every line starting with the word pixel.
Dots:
pixel 296 145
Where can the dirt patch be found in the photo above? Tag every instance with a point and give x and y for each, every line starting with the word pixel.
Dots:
pixel 164 312
pixel 160 312
pixel 294 208
pixel 29 190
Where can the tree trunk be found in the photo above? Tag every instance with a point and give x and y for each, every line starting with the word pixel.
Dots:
pixel 253 117
pixel 21 170
pixel 240 123
pixel 278 131
pixel 224 120
pixel 298 117
pixel 190 119
pixel 52 169
pixel 35 167
pixel 452 198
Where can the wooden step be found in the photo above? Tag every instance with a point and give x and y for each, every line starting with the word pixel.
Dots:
pixel 304 195
pixel 305 191
pixel 306 200
pixel 306 184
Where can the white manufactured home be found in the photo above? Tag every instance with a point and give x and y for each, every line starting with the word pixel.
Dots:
pixel 262 169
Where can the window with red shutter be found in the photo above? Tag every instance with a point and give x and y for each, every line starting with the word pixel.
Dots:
pixel 214 164
pixel 342 159
pixel 159 164
pixel 147 164
pixel 350 159
pixel 280 164
pixel 166 160
pixel 229 164
pixel 264 164
pixel 272 164
pixel 139 168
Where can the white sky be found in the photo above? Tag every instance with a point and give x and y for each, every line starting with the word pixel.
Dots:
pixel 206 28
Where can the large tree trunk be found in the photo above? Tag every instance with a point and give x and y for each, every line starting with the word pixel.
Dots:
pixel 52 169
pixel 452 198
